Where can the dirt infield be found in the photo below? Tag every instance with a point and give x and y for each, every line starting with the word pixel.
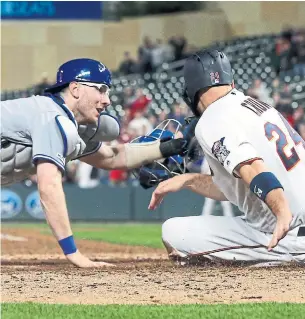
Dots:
pixel 33 269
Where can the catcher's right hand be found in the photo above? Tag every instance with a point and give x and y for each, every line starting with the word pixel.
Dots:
pixel 82 261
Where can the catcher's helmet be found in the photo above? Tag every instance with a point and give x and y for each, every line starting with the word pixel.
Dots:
pixel 203 70
pixel 80 70
pixel 152 174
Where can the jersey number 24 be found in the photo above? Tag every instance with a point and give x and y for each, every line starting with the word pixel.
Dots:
pixel 281 143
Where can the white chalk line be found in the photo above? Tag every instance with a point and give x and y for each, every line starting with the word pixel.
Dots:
pixel 12 238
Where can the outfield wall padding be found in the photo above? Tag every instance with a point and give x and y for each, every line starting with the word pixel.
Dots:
pixel 103 203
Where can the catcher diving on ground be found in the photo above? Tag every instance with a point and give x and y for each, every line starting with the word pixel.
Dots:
pixel 40 134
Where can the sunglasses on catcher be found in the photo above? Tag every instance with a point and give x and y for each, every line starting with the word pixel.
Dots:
pixel 103 88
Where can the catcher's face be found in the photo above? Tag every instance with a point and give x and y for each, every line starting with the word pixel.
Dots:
pixel 93 99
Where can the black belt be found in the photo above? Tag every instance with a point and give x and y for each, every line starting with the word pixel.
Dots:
pixel 301 231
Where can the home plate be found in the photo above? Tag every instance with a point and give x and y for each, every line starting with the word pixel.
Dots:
pixel 12 238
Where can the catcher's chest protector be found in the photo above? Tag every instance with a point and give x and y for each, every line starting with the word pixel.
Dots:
pixel 16 162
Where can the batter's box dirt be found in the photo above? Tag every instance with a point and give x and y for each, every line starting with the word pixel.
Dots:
pixel 29 274
pixel 44 246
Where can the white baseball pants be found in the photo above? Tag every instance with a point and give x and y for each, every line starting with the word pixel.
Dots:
pixel 229 238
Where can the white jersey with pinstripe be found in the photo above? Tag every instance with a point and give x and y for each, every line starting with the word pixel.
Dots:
pixel 237 129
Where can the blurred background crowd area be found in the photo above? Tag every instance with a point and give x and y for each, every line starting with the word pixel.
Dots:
pixel 147 87
pixel 270 68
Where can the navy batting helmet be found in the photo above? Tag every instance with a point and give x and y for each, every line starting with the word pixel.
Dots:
pixel 80 70
pixel 203 70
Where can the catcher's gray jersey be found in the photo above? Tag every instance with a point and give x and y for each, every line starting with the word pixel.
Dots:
pixel 39 127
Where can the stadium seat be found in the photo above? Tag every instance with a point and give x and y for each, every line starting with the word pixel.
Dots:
pixel 250 58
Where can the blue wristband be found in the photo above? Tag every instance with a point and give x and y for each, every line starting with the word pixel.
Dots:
pixel 264 183
pixel 68 245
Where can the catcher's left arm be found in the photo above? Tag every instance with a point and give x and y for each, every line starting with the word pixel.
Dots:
pixel 128 156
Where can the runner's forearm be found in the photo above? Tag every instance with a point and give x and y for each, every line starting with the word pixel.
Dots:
pixel 203 185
